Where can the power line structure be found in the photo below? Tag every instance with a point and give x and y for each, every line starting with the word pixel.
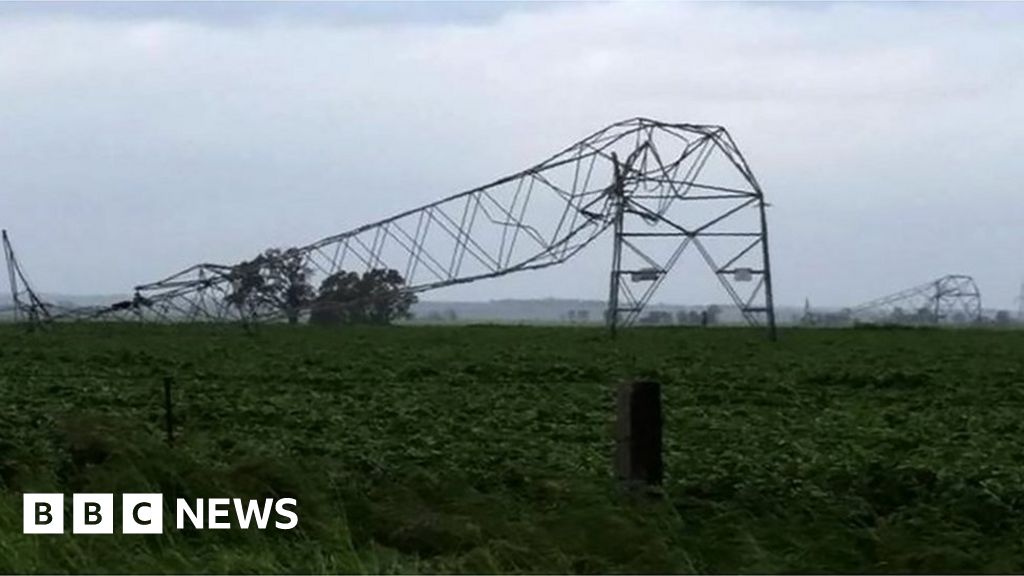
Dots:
pixel 661 189
pixel 26 306
pixel 954 297
pixel 1020 304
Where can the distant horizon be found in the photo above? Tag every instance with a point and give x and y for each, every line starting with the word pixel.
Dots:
pixel 105 298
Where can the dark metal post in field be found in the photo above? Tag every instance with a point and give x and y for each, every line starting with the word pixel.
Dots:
pixel 168 412
pixel 638 459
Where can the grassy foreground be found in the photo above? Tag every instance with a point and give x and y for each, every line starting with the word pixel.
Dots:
pixel 487 449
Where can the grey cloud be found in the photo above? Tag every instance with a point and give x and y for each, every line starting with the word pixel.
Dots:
pixel 243 13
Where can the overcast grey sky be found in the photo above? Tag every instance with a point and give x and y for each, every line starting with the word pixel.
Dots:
pixel 140 139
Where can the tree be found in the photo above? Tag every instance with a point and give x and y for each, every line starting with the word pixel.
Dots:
pixel 925 315
pixel 288 281
pixel 688 317
pixel 247 283
pixel 336 299
pixel 376 297
pixel 655 317
pixel 276 279
pixel 897 316
pixel 714 311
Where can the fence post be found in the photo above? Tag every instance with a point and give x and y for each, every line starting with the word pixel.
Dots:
pixel 638 458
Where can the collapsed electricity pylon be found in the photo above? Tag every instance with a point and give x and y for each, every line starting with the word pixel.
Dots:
pixel 662 188
pixel 950 299
pixel 1020 304
pixel 26 306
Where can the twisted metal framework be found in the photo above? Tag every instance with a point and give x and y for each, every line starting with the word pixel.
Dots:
pixel 951 298
pixel 25 304
pixel 661 188
pixel 1020 304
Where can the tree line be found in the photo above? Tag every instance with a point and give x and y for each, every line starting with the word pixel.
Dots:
pixel 281 281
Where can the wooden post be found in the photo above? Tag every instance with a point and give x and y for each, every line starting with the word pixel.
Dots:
pixel 638 434
pixel 168 414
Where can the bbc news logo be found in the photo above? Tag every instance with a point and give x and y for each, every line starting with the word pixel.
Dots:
pixel 144 514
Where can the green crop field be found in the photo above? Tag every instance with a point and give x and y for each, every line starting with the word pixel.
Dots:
pixel 484 449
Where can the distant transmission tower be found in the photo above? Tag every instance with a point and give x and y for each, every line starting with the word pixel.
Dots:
pixel 949 298
pixel 1020 303
pixel 25 305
